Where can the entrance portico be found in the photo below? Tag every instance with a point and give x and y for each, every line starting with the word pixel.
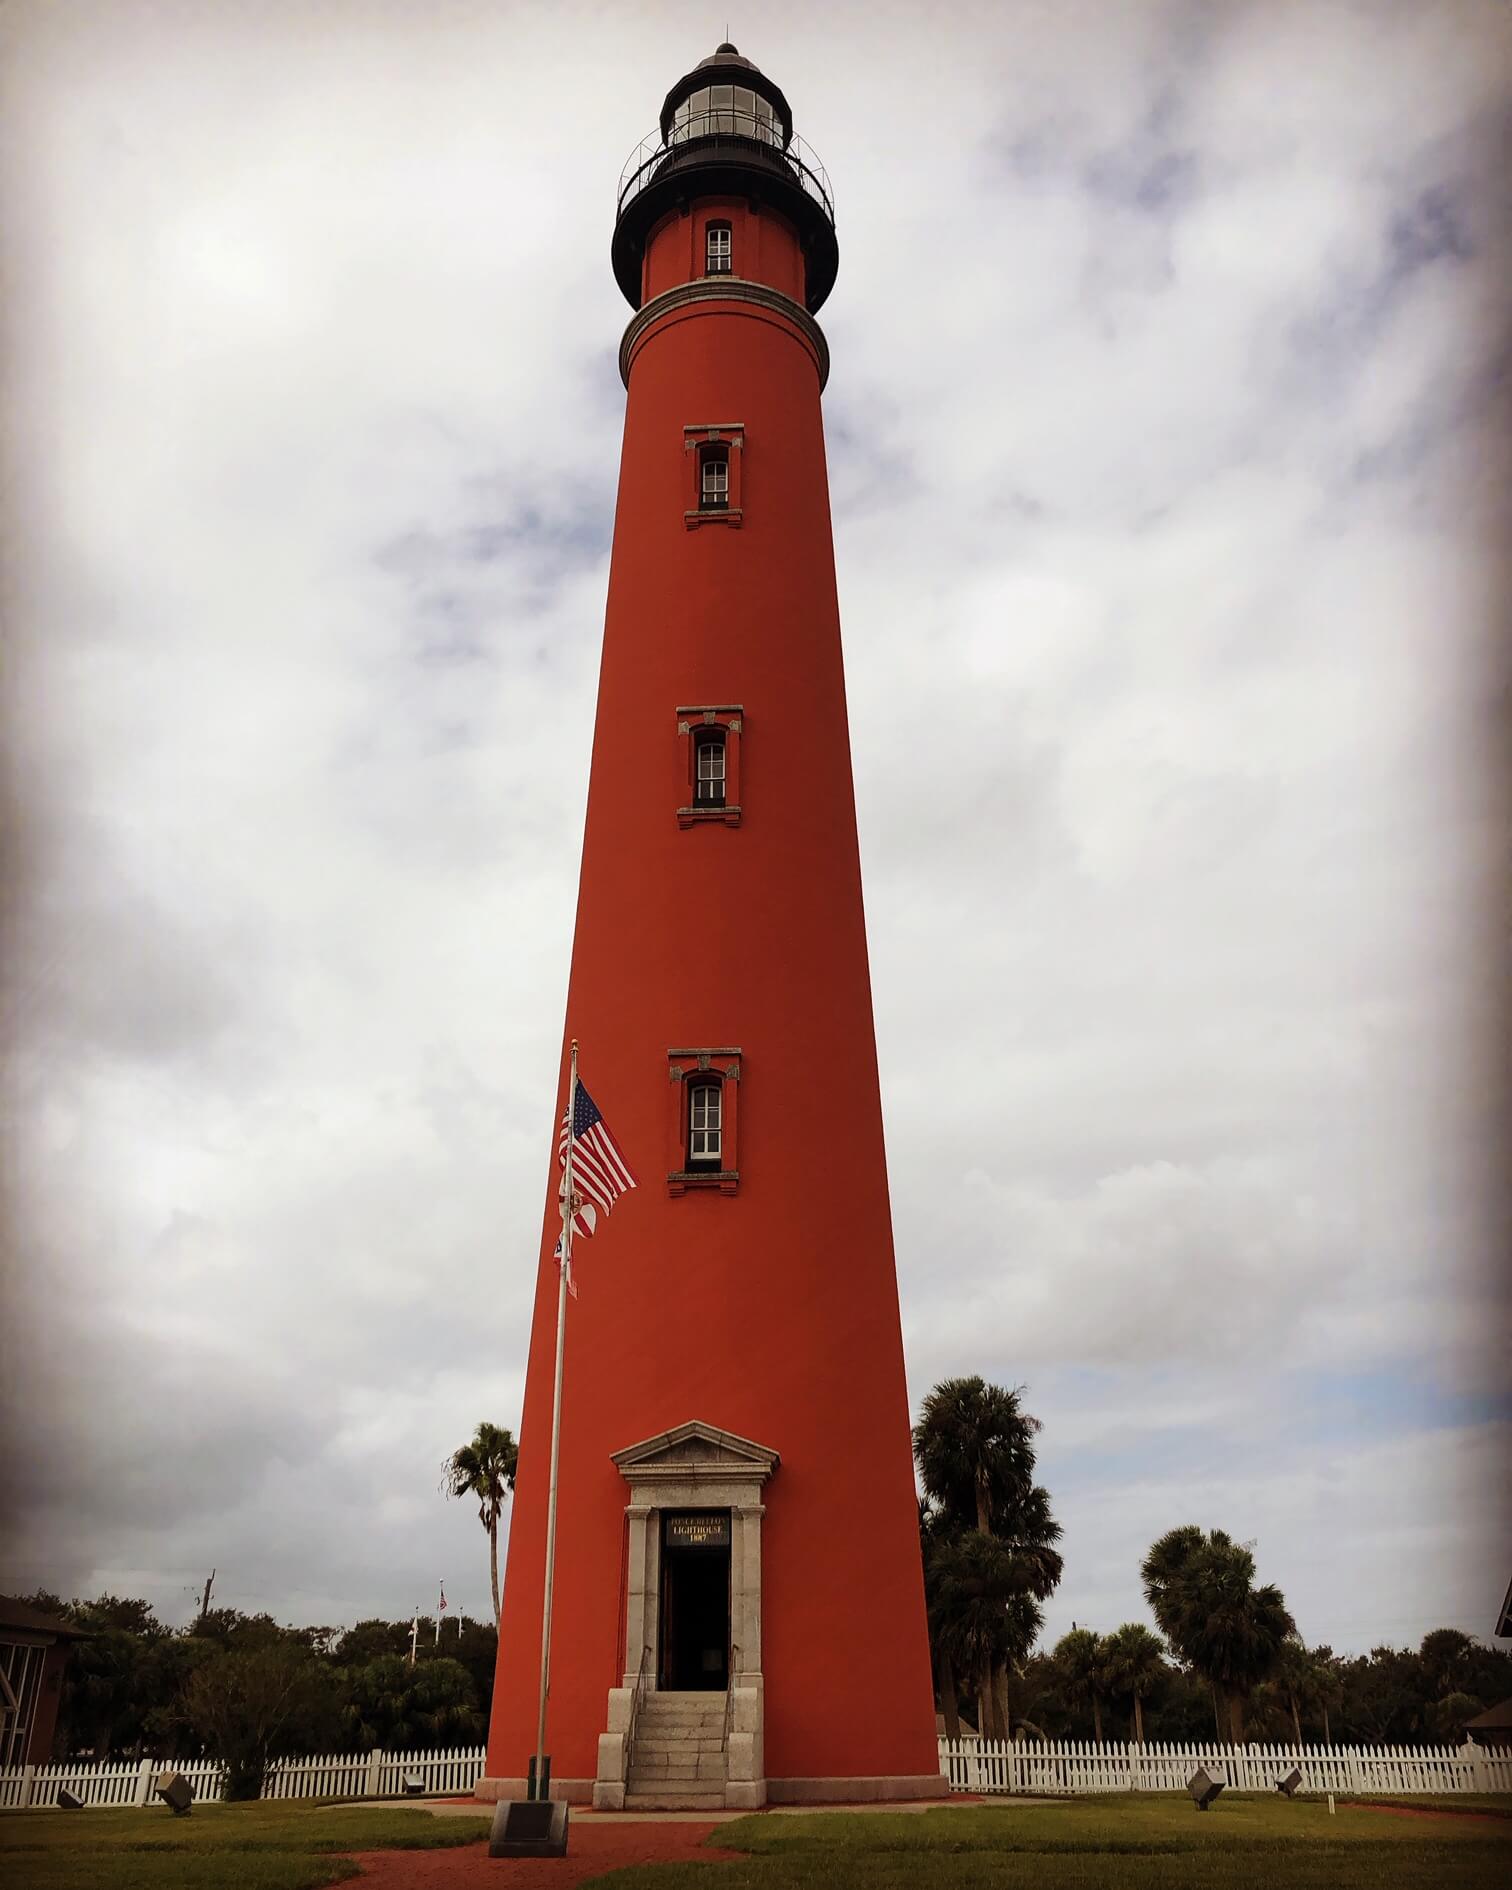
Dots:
pixel 694 1516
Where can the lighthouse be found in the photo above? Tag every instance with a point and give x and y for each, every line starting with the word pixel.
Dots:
pixel 738 1606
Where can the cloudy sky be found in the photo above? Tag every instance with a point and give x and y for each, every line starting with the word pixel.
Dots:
pixel 1168 433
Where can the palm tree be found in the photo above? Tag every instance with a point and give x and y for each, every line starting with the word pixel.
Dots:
pixel 942 1639
pixel 974 1444
pixel 981 1620
pixel 1082 1657
pixel 1201 1590
pixel 485 1468
pixel 1327 1686
pixel 1134 1661
pixel 1294 1679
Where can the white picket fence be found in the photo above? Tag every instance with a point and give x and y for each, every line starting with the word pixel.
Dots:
pixel 375 1774
pixel 1073 1765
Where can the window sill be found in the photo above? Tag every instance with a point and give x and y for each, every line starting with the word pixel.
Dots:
pixel 696 816
pixel 729 515
pixel 726 1180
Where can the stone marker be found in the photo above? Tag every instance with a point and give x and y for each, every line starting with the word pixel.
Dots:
pixel 1203 1789
pixel 529 1827
pixel 175 1791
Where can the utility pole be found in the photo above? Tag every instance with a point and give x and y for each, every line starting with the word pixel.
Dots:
pixel 414 1636
pixel 205 1604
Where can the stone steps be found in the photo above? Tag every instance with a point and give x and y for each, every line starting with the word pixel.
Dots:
pixel 677 1762
pixel 677 1748
pixel 682 1798
pixel 665 1758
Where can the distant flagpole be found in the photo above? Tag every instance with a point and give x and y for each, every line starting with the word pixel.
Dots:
pixel 538 1786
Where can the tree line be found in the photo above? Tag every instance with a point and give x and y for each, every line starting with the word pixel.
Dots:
pixel 1228 1662
pixel 240 1688
pixel 244 1690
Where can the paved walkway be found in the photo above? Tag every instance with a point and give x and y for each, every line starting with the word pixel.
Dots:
pixel 581 1815
pixel 594 1846
pixel 597 1842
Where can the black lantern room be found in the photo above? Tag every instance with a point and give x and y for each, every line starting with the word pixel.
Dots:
pixel 726 130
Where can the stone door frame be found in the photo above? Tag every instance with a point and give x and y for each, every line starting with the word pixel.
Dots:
pixel 695 1466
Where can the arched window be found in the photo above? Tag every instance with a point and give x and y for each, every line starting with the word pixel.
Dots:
pixel 717 257
pixel 709 768
pixel 713 478
pixel 705 1123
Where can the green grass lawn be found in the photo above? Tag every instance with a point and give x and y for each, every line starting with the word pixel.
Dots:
pixel 1138 1843
pixel 1122 1843
pixel 269 1846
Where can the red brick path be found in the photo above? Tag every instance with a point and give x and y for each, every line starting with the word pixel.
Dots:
pixel 592 1849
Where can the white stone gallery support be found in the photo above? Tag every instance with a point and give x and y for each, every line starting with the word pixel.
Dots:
pixel 695 1466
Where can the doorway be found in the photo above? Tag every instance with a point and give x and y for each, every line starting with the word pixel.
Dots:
pixel 694 1656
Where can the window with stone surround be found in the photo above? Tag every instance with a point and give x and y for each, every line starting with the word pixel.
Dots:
pixel 703 1116
pixel 710 735
pixel 715 452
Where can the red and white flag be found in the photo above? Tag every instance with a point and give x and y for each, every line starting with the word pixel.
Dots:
pixel 600 1173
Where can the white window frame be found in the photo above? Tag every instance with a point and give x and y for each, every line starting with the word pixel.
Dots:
pixel 705 1121
pixel 714 479
pixel 719 250
pixel 710 783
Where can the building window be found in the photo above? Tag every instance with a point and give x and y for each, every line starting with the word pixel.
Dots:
pixel 714 454
pixel 705 1123
pixel 710 734
pixel 702 1120
pixel 714 478
pixel 717 259
pixel 709 768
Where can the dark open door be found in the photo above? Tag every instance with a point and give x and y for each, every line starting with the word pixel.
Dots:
pixel 694 1655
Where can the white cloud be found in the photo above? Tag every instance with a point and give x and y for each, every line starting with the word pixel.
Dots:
pixel 1164 441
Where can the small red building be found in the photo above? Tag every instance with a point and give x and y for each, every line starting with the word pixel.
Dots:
pixel 739 1605
pixel 34 1651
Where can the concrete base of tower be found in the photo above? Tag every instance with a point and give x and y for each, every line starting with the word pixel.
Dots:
pixel 575 1791
pixel 856 1791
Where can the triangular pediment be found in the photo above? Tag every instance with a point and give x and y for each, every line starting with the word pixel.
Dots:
pixel 693 1448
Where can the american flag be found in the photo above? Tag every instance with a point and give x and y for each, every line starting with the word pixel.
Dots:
pixel 600 1174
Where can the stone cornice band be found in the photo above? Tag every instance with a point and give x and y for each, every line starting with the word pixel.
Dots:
pixel 725 289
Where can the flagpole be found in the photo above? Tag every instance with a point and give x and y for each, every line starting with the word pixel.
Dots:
pixel 539 1784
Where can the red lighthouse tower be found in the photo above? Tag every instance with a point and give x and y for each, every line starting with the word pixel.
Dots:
pixel 738 1604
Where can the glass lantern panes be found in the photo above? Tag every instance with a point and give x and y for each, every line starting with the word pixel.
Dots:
pixel 727 110
pixel 705 1113
pixel 709 769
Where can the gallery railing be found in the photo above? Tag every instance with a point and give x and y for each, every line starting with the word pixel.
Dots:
pixel 723 133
